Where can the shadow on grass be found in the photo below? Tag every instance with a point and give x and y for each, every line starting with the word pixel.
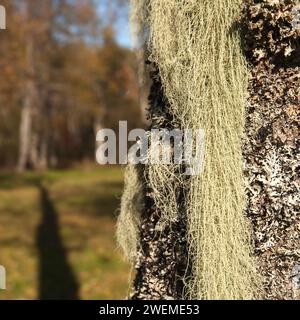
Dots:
pixel 56 278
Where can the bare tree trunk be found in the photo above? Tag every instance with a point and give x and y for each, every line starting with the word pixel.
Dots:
pixel 25 135
pixel 25 138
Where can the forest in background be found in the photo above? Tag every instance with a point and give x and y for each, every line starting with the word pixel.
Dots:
pixel 66 72
pixel 63 77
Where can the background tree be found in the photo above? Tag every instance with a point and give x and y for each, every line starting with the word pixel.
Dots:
pixel 64 77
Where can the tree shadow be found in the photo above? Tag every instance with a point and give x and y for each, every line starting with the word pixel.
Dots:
pixel 56 278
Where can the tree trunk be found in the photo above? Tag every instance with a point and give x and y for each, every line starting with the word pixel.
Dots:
pixel 25 138
pixel 162 261
pixel 271 162
pixel 271 148
pixel 26 127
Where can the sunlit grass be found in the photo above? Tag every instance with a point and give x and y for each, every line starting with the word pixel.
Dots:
pixel 85 204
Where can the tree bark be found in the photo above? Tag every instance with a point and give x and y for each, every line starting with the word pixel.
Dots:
pixel 271 148
pixel 162 260
pixel 25 138
pixel 25 134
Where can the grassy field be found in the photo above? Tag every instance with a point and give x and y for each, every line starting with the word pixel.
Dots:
pixel 57 235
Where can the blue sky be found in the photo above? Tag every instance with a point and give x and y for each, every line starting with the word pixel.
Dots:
pixel 123 32
pixel 122 27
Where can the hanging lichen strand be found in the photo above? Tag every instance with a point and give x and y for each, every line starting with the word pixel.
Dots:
pixel 195 45
pixel 132 202
pixel 132 206
pixel 162 260
pixel 271 148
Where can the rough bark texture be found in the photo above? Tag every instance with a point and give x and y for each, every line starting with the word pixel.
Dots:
pixel 272 169
pixel 271 156
pixel 271 148
pixel 162 257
